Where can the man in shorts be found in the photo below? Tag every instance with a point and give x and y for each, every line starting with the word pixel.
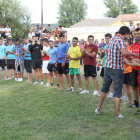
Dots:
pixel 135 87
pixel 108 36
pixel 74 55
pixel 19 60
pixel 2 58
pixel 10 59
pixel 89 52
pixel 53 54
pixel 27 60
pixel 46 61
pixel 35 49
pixel 113 69
pixel 62 62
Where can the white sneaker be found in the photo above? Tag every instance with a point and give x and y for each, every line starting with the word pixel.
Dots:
pixel 119 116
pixel 95 92
pixel 97 111
pixel 9 78
pixel 80 90
pixel 41 83
pixel 72 89
pixel 36 83
pixel 47 84
pixel 16 79
pixel 124 98
pixel 110 95
pixel 84 92
pixel 20 79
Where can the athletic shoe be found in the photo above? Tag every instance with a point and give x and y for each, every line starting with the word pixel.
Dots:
pixel 9 78
pixel 124 98
pixel 72 89
pixel 80 90
pixel 95 92
pixel 135 105
pixel 56 87
pixel 46 84
pixel 36 83
pixel 119 116
pixel 16 79
pixel 69 89
pixel 97 111
pixel 20 79
pixel 41 83
pixel 84 92
pixel 49 86
pixel 110 95
pixel 138 112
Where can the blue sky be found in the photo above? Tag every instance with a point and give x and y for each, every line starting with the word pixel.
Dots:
pixel 51 8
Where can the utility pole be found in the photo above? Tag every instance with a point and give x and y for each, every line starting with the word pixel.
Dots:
pixel 42 14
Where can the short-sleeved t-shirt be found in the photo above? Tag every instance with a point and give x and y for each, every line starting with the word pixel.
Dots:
pixel 73 53
pixel 10 49
pixel 90 60
pixel 105 47
pixel 7 29
pixel 62 51
pixel 46 58
pixel 101 45
pixel 52 52
pixel 127 69
pixel 27 55
pixel 135 49
pixel 2 51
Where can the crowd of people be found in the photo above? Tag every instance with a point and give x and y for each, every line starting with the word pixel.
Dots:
pixel 51 54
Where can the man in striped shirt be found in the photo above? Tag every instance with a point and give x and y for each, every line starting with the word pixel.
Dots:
pixel 113 69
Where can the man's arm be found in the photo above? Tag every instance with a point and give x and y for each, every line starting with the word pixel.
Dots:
pixel 102 53
pixel 127 53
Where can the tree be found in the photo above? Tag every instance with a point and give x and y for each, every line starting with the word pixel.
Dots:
pixel 71 12
pixel 17 16
pixel 117 7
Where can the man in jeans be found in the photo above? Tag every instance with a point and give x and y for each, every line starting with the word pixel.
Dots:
pixel 19 60
pixel 113 69
pixel 37 32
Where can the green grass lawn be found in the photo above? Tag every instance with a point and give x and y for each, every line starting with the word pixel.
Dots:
pixel 34 112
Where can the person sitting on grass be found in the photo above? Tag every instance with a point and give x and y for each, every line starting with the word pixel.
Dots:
pixel 74 55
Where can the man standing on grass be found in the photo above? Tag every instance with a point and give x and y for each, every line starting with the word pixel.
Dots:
pixel 35 49
pixel 108 37
pixel 53 54
pixel 63 63
pixel 89 52
pixel 10 59
pixel 113 70
pixel 45 70
pixel 2 58
pixel 19 60
pixel 74 55
pixel 27 60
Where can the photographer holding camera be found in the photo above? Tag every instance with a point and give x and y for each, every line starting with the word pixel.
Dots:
pixel 35 48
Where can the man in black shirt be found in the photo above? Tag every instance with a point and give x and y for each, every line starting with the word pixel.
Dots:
pixel 36 56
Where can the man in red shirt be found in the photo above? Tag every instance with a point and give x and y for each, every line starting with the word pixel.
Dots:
pixel 89 52
pixel 135 87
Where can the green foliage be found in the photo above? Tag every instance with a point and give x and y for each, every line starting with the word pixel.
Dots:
pixel 117 7
pixel 17 16
pixel 71 12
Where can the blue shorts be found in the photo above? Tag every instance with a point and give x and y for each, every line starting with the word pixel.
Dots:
pixel 115 75
pixel 3 68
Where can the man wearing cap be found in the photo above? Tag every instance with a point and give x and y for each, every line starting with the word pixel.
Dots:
pixel 9 38
pixel 2 32
pixel 37 31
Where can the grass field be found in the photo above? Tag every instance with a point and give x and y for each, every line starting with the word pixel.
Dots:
pixel 29 112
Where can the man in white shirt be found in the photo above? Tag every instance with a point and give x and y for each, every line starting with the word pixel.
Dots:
pixel 61 30
pixel 49 37
pixel 31 34
pixel 7 30
pixel 2 32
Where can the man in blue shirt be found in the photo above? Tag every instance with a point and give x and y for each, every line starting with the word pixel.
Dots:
pixel 62 63
pixel 27 60
pixel 10 59
pixel 37 32
pixel 53 54
pixel 19 60
pixel 2 58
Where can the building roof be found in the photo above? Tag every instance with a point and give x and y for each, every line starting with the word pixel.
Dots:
pixel 128 17
pixel 94 22
pixel 92 30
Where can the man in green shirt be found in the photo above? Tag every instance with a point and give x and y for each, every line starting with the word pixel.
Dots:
pixel 108 36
